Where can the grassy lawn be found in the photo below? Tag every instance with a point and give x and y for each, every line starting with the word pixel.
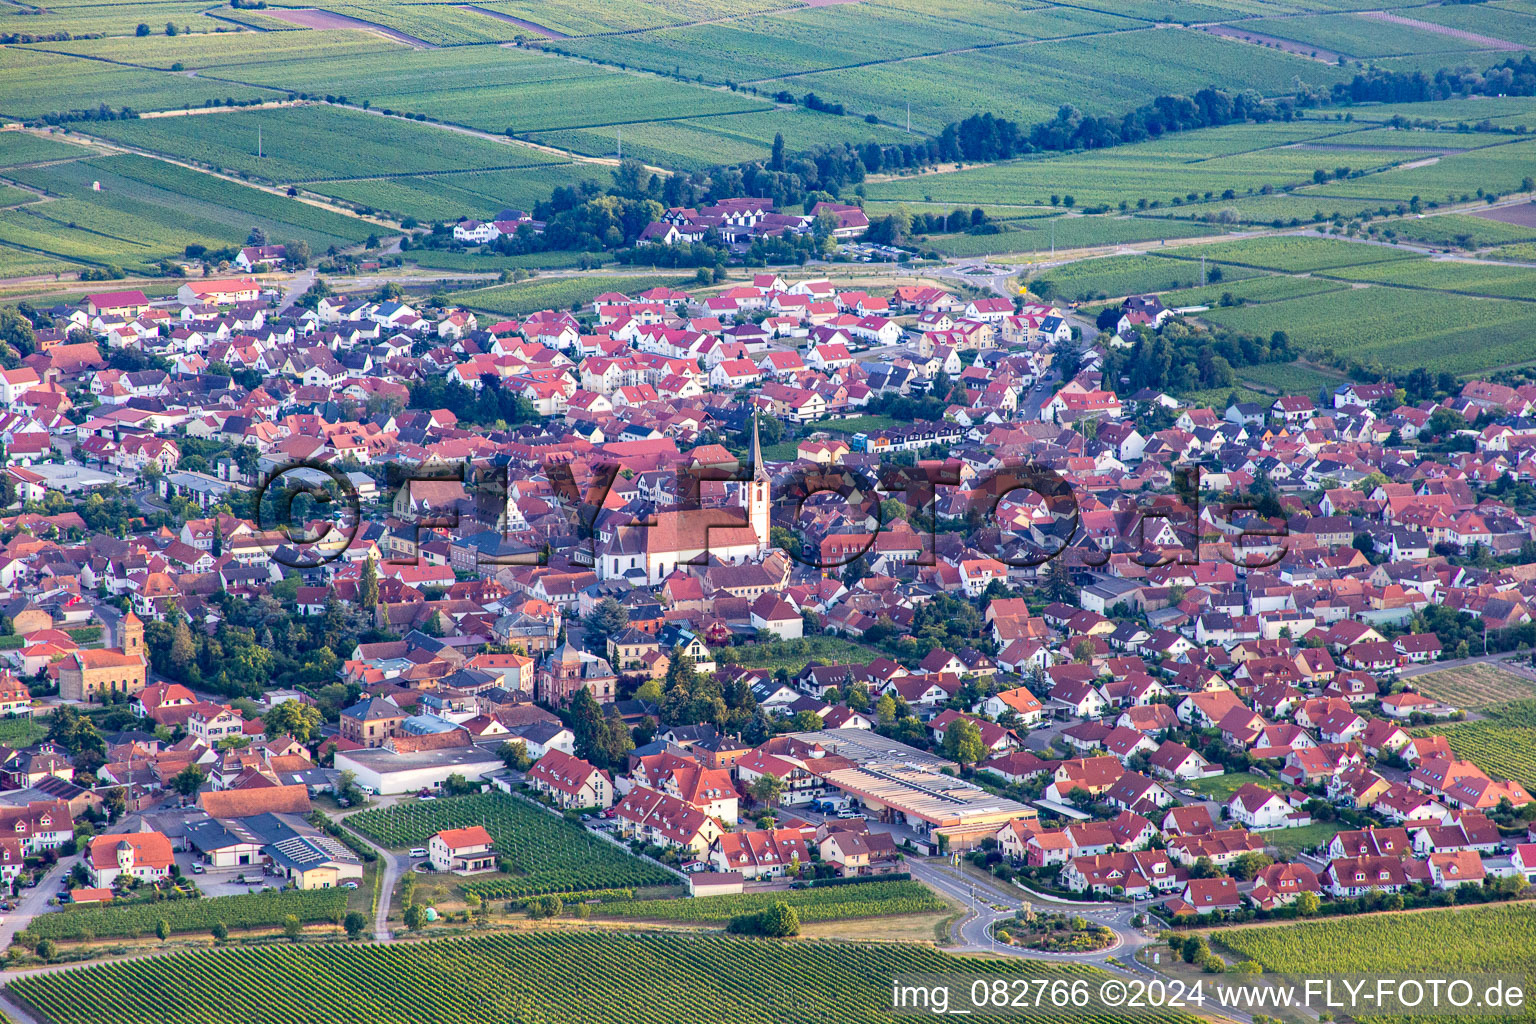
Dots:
pixel 1221 787
pixel 1288 842
pixel 858 424
pixel 794 655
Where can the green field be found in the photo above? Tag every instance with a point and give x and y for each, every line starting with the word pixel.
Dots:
pixel 1358 36
pixel 1452 276
pixel 1503 743
pixel 15 263
pixel 1497 169
pixel 229 50
pixel 1461 230
pixel 550 855
pixel 147 209
pixel 838 36
pixel 1221 787
pixel 447 197
pixel 697 143
pixel 559 293
pixel 1046 234
pixel 434 259
pixel 659 979
pixel 1289 842
pixel 258 910
pixel 1301 253
pixel 1396 328
pixel 1114 276
pixel 1291 378
pixel 1273 288
pixel 33 84
pixel 1497 938
pixel 831 903
pixel 1145 173
pixel 794 655
pixel 24 148
pixel 110 18
pixel 300 144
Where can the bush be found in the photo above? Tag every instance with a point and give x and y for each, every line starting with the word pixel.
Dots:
pixel 778 921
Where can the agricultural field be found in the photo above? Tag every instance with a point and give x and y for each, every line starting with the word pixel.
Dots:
pixel 1294 208
pixel 1475 686
pixel 600 100
pixel 147 209
pixel 698 143
pixel 1496 23
pixel 258 910
pixel 550 855
pixel 560 293
pixel 1460 230
pixel 120 19
pixel 1397 328
pixel 1301 253
pixel 15 263
pixel 1456 276
pixel 666 979
pixel 1359 36
pixel 1291 378
pixel 819 38
pixel 585 17
pixel 1498 169
pixel 829 903
pixel 1027 82
pixel 1272 288
pixel 435 259
pixel 1490 938
pixel 1144 175
pixel 794 655
pixel 230 49
pixel 1502 743
pixel 1042 235
pixel 1115 276
pixel 34 84
pixel 1524 252
pixel 18 148
pixel 447 197
pixel 299 144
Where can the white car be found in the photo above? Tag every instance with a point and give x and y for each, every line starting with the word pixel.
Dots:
pixel 418 851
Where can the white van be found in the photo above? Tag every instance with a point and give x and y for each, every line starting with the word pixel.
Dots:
pixel 417 851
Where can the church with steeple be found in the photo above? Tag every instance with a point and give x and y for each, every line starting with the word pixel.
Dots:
pixel 647 552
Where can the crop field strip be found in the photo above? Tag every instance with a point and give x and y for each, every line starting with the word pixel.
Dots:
pixel 148 209
pixel 298 144
pixel 560 293
pixel 447 197
pixel 551 855
pixel 1492 938
pixel 1503 743
pixel 827 903
pixel 1476 685
pixel 34 83
pixel 257 910
pixel 641 979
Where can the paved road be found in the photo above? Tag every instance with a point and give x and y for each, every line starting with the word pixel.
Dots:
pixel 296 286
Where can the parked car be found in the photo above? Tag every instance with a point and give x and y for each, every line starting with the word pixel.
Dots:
pixel 199 868
pixel 417 851
pixel 349 885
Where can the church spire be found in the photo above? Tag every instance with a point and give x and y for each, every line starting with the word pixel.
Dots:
pixel 759 471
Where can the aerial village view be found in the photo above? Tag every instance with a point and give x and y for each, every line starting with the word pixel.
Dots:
pixel 767 511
